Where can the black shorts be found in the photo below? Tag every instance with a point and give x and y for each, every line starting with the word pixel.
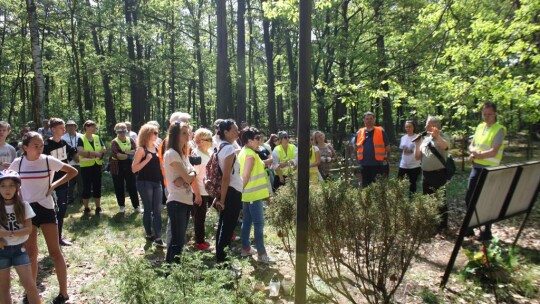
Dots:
pixel 43 215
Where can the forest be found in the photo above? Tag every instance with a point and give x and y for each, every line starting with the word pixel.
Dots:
pixel 135 60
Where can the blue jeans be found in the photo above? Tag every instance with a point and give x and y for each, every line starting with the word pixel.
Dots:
pixel 61 201
pixel 253 213
pixel 179 217
pixel 151 193
pixel 13 256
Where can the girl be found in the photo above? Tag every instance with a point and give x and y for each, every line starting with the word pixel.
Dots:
pixel 37 172
pixel 409 165
pixel 180 174
pixel 15 226
pixel 255 191
pixel 230 201
pixel 149 179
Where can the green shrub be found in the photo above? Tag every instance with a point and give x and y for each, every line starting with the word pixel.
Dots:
pixel 365 239
pixel 194 280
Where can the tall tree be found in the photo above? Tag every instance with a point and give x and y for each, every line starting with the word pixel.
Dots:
pixel 241 62
pixel 270 76
pixel 223 86
pixel 39 84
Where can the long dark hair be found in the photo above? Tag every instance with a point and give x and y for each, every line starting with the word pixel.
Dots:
pixel 173 140
pixel 224 125
pixel 18 206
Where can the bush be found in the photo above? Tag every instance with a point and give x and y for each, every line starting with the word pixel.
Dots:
pixel 191 281
pixel 365 239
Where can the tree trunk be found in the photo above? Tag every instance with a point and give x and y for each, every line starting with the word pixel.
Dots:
pixel 271 90
pixel 293 77
pixel 241 63
pixel 39 83
pixel 223 88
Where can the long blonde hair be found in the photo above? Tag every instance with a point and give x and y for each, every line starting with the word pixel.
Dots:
pixel 145 133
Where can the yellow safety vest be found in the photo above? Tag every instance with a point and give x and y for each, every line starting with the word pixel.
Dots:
pixel 313 171
pixel 124 146
pixel 484 140
pixel 257 186
pixel 283 157
pixel 89 162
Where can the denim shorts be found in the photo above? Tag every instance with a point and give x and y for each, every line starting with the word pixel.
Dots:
pixel 14 256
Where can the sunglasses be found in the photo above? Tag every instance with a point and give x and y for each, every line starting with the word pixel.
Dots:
pixel 156 133
pixel 285 137
pixel 207 139
pixel 121 131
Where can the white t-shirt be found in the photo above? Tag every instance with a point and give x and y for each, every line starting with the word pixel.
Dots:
pixel 236 179
pixel 36 180
pixel 408 161
pixel 201 169
pixel 183 193
pixel 7 153
pixel 72 142
pixel 13 225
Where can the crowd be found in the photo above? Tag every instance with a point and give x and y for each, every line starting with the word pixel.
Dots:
pixel 231 169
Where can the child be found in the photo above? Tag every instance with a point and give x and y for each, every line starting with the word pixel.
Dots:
pixel 15 227
pixel 7 152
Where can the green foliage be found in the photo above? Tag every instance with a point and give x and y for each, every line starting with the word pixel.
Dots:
pixel 193 280
pixel 361 239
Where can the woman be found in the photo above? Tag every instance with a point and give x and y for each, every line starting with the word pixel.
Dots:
pixel 149 178
pixel 272 142
pixel 36 188
pixel 409 166
pixel 122 150
pixel 285 156
pixel 254 193
pixel 91 150
pixel 180 174
pixel 328 154
pixel 229 203
pixel 203 142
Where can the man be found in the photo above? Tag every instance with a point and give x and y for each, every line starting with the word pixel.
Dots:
pixel 372 150
pixel 486 151
pixel 58 148
pixel 433 170
pixel 45 131
pixel 72 137
pixel 131 134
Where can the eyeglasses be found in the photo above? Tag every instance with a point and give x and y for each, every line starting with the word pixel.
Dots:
pixel 207 139
pixel 121 131
pixel 258 137
pixel 285 137
pixel 156 133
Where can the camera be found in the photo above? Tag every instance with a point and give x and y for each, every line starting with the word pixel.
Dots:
pixel 194 160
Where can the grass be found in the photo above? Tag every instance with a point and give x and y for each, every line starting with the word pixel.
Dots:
pixel 93 257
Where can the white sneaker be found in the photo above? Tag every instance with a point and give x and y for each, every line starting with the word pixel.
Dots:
pixel 122 209
pixel 139 209
pixel 246 253
pixel 265 259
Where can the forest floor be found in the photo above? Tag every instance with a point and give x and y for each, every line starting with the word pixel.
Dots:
pixel 92 281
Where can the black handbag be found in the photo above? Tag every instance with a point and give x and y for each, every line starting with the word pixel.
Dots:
pixel 449 164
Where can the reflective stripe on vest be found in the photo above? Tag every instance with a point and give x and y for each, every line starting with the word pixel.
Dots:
pixel 124 146
pixel 257 186
pixel 87 147
pixel 283 157
pixel 378 144
pixel 484 140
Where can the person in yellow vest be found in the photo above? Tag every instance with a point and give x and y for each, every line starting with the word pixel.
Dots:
pixel 486 151
pixel 372 150
pixel 255 191
pixel 122 151
pixel 314 162
pixel 91 150
pixel 285 156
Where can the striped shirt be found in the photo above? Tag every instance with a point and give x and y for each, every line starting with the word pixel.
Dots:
pixel 35 179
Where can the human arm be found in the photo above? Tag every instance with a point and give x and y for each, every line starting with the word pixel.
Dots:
pixel 116 152
pixel 438 139
pixel 138 162
pixel 317 158
pixel 228 162
pixel 70 173
pixel 18 233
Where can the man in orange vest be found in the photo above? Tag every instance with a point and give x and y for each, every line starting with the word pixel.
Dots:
pixel 372 150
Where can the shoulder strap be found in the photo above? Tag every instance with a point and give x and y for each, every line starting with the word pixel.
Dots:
pixel 436 153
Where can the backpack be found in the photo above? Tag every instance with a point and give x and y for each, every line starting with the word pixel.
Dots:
pixel 212 181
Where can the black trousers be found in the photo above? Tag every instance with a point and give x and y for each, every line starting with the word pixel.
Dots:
pixel 431 182
pixel 125 175
pixel 412 174
pixel 228 219
pixel 199 217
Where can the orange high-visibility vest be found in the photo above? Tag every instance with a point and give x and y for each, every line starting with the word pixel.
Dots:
pixel 378 144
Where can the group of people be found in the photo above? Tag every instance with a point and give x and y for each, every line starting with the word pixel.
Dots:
pixel 250 170
pixel 426 153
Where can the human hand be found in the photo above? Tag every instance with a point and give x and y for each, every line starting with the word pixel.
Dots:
pixel 2 243
pixel 198 200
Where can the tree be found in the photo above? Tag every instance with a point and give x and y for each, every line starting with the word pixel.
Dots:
pixel 39 85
